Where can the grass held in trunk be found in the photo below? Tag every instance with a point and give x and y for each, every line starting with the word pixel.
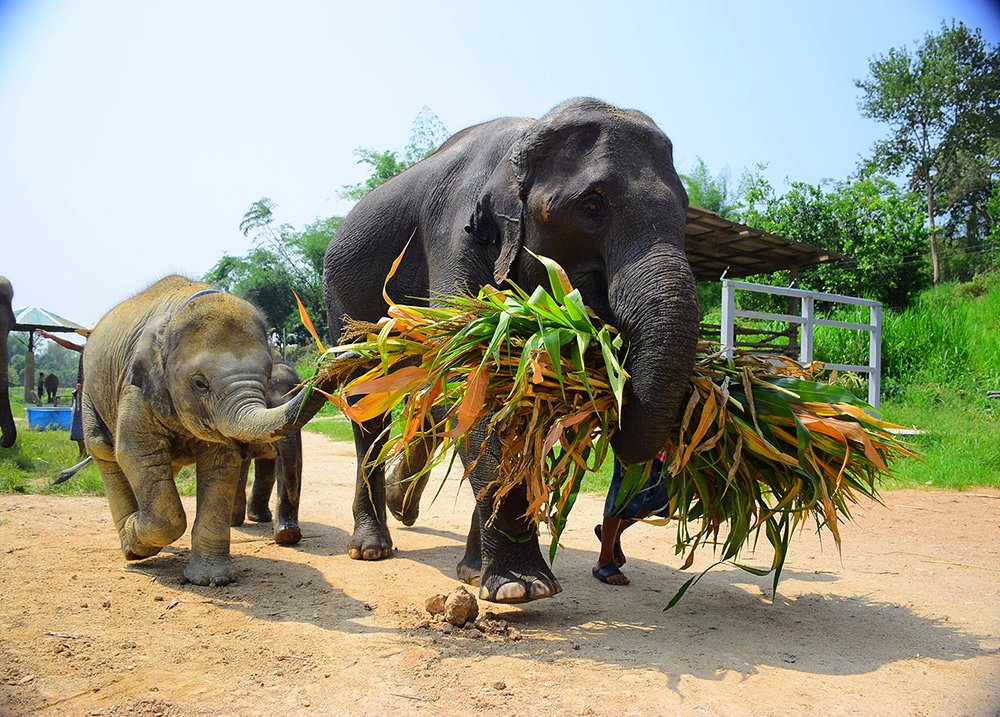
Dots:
pixel 762 445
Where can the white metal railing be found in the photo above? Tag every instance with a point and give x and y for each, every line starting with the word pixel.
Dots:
pixel 808 322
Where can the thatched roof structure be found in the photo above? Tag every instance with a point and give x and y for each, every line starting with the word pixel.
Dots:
pixel 716 246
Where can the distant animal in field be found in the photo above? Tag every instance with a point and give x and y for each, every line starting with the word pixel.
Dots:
pixel 51 388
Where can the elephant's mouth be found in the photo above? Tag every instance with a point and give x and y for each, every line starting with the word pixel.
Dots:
pixel 591 278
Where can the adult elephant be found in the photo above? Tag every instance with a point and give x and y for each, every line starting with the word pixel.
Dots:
pixel 9 431
pixel 176 375
pixel 589 185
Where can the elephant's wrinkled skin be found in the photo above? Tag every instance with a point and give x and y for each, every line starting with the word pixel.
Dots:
pixel 9 431
pixel 589 185
pixel 275 464
pixel 175 375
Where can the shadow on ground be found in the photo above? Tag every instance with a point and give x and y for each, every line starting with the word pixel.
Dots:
pixel 726 623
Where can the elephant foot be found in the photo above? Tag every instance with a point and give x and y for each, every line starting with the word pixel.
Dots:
pixel 518 575
pixel 287 533
pixel 259 515
pixel 210 573
pixel 370 543
pixel 511 587
pixel 138 552
pixel 403 507
pixel 469 571
pixel 236 520
pixel 406 518
pixel 134 549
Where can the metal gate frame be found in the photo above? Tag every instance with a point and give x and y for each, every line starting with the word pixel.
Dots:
pixel 808 322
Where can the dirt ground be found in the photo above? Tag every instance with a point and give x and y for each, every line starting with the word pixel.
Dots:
pixel 907 622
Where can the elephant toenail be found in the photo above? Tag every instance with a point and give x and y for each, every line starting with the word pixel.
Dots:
pixel 540 590
pixel 510 592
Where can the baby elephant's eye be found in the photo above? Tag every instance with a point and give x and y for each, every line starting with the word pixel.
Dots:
pixel 200 383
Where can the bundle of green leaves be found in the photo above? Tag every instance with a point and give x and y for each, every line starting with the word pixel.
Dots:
pixel 762 444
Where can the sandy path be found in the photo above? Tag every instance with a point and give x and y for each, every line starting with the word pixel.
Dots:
pixel 908 623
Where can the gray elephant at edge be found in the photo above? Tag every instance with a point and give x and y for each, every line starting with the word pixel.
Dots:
pixel 178 374
pixel 7 426
pixel 276 466
pixel 589 185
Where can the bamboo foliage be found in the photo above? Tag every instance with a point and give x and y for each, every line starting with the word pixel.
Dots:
pixel 762 445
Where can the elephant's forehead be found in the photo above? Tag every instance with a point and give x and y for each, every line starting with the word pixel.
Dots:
pixel 218 340
pixel 612 156
pixel 241 361
pixel 223 326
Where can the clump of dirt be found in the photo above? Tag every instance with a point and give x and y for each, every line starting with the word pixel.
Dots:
pixel 435 604
pixel 458 608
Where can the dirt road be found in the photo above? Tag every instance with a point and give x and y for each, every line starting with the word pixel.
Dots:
pixel 906 623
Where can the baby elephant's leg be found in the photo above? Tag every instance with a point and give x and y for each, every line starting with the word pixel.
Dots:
pixel 286 528
pixel 240 499
pixel 218 469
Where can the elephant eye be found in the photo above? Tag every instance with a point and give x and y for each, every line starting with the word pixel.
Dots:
pixel 200 383
pixel 593 205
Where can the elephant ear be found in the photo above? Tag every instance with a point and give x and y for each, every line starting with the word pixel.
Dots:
pixel 498 217
pixel 147 371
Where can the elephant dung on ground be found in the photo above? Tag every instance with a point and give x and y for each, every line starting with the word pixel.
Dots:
pixel 589 185
pixel 178 374
pixel 275 465
pixel 8 431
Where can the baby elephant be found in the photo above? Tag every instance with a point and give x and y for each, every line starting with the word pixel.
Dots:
pixel 51 388
pixel 274 463
pixel 178 374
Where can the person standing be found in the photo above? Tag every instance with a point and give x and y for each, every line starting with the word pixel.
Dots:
pixel 76 426
pixel 622 511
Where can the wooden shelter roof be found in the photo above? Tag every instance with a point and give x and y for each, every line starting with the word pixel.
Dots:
pixel 716 245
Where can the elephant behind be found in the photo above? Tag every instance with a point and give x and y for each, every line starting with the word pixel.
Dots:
pixel 8 431
pixel 589 185
pixel 177 374
pixel 276 465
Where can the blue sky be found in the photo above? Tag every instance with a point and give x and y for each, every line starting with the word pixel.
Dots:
pixel 133 136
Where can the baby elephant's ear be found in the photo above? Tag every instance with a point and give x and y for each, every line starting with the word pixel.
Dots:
pixel 146 371
pixel 498 217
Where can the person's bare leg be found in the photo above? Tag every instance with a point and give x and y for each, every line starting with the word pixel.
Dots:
pixel 623 524
pixel 607 569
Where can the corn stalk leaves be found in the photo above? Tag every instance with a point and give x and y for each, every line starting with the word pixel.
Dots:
pixel 762 443
pixel 307 322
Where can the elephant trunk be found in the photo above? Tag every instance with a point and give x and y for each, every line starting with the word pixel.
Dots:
pixel 258 424
pixel 9 430
pixel 653 297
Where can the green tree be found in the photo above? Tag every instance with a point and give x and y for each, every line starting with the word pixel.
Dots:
pixel 942 105
pixel 993 213
pixel 281 259
pixel 426 135
pixel 49 358
pixel 708 192
pixel 869 219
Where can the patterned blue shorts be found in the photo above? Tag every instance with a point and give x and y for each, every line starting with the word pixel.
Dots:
pixel 651 499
